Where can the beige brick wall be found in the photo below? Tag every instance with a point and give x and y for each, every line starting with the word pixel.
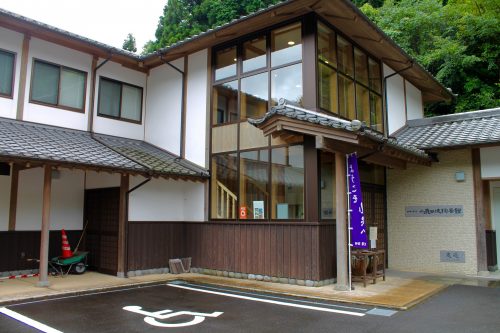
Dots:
pixel 414 243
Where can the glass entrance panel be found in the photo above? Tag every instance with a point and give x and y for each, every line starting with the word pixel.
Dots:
pixel 254 193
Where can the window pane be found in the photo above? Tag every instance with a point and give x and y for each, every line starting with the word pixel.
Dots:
pixel 328 91
pixel 346 98
pixel 375 80
pixel 361 62
pixel 131 102
pixel 254 95
pixel 288 183
pixel 287 83
pixel 345 63
pixel 253 183
pixel 286 45
pixel 377 121
pixel 254 54
pixel 225 63
pixel 45 84
pixel 362 104
pixel 326 45
pixel 109 98
pixel 327 185
pixel 6 72
pixel 225 107
pixel 224 186
pixel 72 88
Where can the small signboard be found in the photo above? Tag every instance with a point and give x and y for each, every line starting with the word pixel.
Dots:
pixel 452 256
pixel 435 211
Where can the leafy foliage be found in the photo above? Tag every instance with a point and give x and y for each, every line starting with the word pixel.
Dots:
pixel 129 43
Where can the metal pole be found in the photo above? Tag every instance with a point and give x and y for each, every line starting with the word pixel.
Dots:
pixel 348 222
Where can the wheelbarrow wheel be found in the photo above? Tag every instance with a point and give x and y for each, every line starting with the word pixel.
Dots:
pixel 80 268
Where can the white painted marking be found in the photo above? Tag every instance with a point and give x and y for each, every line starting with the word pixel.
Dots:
pixel 293 305
pixel 151 317
pixel 28 321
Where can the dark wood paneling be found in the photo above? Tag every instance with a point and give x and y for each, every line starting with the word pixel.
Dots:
pixel 327 252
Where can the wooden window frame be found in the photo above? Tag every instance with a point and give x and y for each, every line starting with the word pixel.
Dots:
pixel 13 74
pixel 120 118
pixel 58 106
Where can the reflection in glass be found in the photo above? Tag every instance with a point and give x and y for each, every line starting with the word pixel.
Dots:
pixel 224 186
pixel 377 121
pixel 254 54
pixel 287 182
pixel 72 90
pixel 374 71
pixel 361 62
pixel 225 63
pixel 286 83
pixel 345 61
pixel 327 185
pixel 254 183
pixel 326 45
pixel 6 72
pixel 346 98
pixel 286 45
pixel 45 85
pixel 362 104
pixel 254 95
pixel 225 103
pixel 328 88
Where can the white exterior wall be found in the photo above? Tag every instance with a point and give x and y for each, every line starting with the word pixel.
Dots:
pixel 59 55
pixel 11 41
pixel 198 108
pixel 414 106
pixel 114 127
pixel 414 243
pixel 166 200
pixel 67 198
pixel 164 98
pixel 490 162
pixel 396 114
pixel 95 180
pixel 4 202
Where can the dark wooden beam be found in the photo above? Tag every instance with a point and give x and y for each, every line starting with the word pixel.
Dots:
pixel 311 190
pixel 122 226
pixel 14 186
pixel 44 238
pixel 480 205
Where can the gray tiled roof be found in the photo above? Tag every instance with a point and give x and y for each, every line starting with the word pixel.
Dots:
pixel 461 129
pixel 37 142
pixel 334 122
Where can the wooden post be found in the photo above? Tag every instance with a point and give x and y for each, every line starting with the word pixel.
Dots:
pixel 341 222
pixel 14 186
pixel 122 226
pixel 22 77
pixel 44 239
pixel 480 211
pixel 311 188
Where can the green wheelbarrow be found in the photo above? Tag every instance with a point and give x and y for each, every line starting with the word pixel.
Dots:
pixel 77 264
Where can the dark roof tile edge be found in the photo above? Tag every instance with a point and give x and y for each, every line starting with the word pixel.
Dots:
pixel 487 113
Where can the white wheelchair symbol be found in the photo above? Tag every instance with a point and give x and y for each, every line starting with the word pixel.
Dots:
pixel 152 317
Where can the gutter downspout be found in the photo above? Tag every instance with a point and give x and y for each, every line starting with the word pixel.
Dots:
pixel 183 104
pixel 386 127
pixel 92 96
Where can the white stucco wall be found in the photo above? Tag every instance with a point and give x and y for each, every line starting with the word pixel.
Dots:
pixel 197 108
pixel 166 200
pixel 414 106
pixel 4 202
pixel 490 162
pixel 101 180
pixel 67 198
pixel 414 243
pixel 395 101
pixel 121 128
pixel 11 41
pixel 163 116
pixel 59 55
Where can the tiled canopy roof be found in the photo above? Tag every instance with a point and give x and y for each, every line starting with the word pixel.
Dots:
pixel 337 123
pixel 42 143
pixel 462 129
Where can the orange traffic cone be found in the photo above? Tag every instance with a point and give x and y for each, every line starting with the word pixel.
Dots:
pixel 66 249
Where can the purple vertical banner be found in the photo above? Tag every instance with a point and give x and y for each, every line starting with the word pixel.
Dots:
pixel 358 226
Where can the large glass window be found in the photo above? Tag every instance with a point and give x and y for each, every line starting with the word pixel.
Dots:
pixel 224 186
pixel 254 193
pixel 225 102
pixel 58 86
pixel 286 45
pixel 327 186
pixel 6 73
pixel 225 63
pixel 286 82
pixel 254 96
pixel 255 54
pixel 120 100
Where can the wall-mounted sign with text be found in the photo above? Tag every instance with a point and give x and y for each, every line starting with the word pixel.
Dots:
pixel 434 211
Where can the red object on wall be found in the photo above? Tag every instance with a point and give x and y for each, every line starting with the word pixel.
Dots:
pixel 243 212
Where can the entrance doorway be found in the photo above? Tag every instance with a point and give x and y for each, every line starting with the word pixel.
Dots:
pixel 374 204
pixel 101 212
pixel 495 212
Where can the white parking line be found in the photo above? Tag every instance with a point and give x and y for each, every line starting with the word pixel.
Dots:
pixel 293 305
pixel 28 321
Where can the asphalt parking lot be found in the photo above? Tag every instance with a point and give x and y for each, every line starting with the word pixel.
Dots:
pixel 185 307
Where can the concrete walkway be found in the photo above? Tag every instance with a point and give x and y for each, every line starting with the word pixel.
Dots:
pixel 401 290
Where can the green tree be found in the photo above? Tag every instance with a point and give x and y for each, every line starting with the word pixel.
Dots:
pixel 129 43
